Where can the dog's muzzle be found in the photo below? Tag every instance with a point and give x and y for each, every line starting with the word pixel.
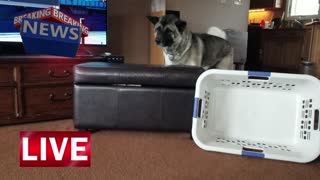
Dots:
pixel 158 41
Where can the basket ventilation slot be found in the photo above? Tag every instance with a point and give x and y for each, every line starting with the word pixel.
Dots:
pixel 316 120
pixel 307 117
pixel 256 145
pixel 258 84
pixel 259 77
pixel 205 108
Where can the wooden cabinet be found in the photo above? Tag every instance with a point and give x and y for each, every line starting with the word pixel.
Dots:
pixel 6 74
pixel 49 101
pixel 311 47
pixel 281 49
pixel 259 4
pixel 36 89
pixel 50 72
pixel 7 103
pixel 8 106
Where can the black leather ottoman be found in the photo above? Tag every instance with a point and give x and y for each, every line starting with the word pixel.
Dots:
pixel 137 97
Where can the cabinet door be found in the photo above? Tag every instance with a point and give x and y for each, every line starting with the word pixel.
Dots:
pixel 282 49
pixel 315 52
pixel 256 4
pixel 39 73
pixel 7 104
pixel 48 102
pixel 306 50
pixel 292 53
pixel 284 54
pixel 272 53
pixel 6 74
pixel 8 107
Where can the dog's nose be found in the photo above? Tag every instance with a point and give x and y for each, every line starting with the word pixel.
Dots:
pixel 158 41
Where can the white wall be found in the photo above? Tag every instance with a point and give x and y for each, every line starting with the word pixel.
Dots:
pixel 201 14
pixel 158 5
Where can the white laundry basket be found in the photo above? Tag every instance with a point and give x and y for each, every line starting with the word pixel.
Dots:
pixel 259 114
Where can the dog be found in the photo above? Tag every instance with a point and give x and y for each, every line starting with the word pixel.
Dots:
pixel 182 47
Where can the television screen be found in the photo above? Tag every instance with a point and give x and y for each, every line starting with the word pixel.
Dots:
pixel 92 13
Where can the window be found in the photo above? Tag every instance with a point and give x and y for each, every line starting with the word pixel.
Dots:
pixel 303 9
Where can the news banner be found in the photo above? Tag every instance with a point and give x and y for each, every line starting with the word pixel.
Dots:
pixel 50 31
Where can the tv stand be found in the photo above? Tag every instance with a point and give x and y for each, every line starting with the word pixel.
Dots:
pixel 37 88
pixel 83 51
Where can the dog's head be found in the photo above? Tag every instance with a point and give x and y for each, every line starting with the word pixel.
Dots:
pixel 168 29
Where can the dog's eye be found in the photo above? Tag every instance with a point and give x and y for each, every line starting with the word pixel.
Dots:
pixel 158 29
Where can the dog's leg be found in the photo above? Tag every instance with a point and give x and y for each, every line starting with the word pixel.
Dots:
pixel 226 62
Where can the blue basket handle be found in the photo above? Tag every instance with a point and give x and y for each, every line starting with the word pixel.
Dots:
pixel 259 73
pixel 197 107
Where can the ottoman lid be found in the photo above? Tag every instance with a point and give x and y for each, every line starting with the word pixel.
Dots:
pixel 148 75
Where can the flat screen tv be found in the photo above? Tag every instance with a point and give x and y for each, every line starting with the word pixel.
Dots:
pixel 92 13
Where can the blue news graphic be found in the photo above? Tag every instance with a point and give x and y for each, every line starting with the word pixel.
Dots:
pixel 42 37
pixel 50 31
pixel 35 3
pixel 92 13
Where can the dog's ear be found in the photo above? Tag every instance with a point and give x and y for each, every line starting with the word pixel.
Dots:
pixel 153 19
pixel 181 25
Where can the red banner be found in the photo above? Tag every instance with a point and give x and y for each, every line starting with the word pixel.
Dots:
pixel 55 149
pixel 53 15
